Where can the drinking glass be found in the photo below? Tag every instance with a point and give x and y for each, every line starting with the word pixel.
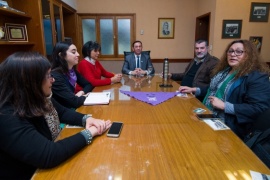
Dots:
pixel 149 69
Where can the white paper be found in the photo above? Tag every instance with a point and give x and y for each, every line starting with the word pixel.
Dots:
pixel 259 176
pixel 215 124
pixel 72 126
pixel 97 98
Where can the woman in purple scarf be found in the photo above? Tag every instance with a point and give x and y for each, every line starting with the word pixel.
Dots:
pixel 64 58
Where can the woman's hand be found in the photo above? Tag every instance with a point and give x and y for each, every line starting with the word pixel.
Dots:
pixel 80 93
pixel 186 89
pixel 116 78
pixel 97 126
pixel 216 103
pixel 86 94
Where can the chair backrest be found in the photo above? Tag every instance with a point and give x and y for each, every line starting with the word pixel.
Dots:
pixel 143 52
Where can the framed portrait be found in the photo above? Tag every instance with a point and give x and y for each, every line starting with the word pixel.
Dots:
pixel 166 28
pixel 257 41
pixel 231 29
pixel 3 34
pixel 16 32
pixel 259 12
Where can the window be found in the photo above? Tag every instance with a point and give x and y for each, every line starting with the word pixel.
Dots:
pixel 115 33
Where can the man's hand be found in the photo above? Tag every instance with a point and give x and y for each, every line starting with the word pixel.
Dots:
pixel 186 89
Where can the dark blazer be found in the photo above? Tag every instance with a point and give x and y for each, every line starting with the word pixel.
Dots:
pixel 250 95
pixel 26 143
pixel 130 63
pixel 63 91
pixel 203 76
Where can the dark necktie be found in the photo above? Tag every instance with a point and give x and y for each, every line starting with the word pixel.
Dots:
pixel 138 62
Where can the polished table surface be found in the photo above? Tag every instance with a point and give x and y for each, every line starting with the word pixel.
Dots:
pixel 165 141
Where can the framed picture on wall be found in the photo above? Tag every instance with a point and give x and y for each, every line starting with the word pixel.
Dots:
pixel 166 28
pixel 231 29
pixel 257 41
pixel 259 12
pixel 16 32
pixel 3 34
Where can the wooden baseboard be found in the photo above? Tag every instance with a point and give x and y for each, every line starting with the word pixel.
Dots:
pixel 171 60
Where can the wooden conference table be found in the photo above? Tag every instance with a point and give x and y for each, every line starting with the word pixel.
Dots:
pixel 165 141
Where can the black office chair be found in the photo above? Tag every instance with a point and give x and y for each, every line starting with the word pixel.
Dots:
pixel 143 52
pixel 262 123
pixel 259 143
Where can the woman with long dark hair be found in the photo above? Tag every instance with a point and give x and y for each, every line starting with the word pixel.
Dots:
pixel 30 119
pixel 64 59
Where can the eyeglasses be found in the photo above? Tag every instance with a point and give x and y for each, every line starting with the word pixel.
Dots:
pixel 49 76
pixel 236 52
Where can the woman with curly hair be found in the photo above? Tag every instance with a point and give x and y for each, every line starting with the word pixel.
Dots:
pixel 240 88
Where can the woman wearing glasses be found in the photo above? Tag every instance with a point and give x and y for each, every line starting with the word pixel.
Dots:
pixel 240 88
pixel 30 118
pixel 64 58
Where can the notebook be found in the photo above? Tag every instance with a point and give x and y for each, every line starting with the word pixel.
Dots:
pixel 97 98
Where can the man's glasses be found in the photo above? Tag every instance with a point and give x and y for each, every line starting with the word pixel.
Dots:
pixel 49 76
pixel 236 52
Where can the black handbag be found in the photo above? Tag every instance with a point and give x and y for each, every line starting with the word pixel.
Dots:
pixel 259 143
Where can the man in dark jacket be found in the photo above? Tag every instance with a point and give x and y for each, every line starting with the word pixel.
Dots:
pixel 198 71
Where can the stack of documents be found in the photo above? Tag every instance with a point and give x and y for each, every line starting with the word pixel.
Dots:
pixel 97 98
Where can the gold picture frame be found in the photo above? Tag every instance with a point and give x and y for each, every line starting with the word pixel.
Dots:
pixel 166 28
pixel 257 41
pixel 16 32
pixel 3 34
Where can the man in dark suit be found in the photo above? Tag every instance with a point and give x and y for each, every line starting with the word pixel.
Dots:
pixel 138 63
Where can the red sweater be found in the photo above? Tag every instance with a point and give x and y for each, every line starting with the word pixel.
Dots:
pixel 93 73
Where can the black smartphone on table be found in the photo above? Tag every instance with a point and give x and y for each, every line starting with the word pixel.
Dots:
pixel 115 129
pixel 203 116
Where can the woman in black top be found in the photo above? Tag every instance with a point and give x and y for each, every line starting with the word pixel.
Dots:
pixel 30 118
pixel 64 58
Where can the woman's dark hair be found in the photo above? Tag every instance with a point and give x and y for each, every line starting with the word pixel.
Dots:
pixel 88 47
pixel 58 57
pixel 22 75
pixel 251 60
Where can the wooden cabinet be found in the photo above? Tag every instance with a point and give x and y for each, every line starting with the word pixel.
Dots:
pixel 36 13
pixel 31 19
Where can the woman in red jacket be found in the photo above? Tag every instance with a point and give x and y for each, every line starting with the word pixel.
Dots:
pixel 91 69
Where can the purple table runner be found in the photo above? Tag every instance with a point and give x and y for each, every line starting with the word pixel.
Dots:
pixel 152 98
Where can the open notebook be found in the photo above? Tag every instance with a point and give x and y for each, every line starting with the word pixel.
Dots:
pixel 97 98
